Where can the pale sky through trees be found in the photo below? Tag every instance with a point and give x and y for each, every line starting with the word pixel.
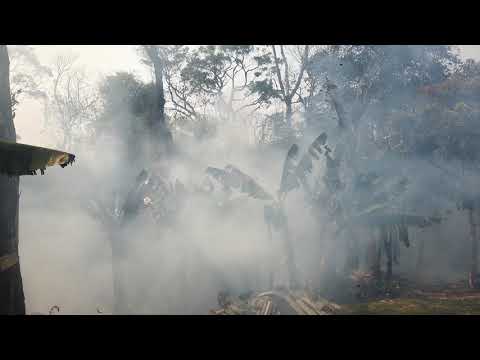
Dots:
pixel 103 60
pixel 110 58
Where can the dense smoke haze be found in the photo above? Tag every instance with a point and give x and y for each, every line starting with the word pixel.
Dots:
pixel 218 240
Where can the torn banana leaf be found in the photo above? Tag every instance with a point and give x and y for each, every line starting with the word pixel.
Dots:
pixel 338 106
pixel 305 165
pixel 395 219
pixel 289 179
pixel 246 184
pixel 20 159
pixel 232 177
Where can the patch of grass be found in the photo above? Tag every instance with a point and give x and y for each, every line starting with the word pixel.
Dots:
pixel 412 306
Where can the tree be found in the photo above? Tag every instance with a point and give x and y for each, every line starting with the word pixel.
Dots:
pixel 125 109
pixel 157 127
pixel 186 106
pixel 28 76
pixel 438 128
pixel 278 78
pixel 373 80
pixel 12 299
pixel 208 85
pixel 73 102
pixel 221 74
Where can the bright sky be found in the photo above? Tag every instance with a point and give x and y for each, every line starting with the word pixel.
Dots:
pixel 103 60
pixel 110 58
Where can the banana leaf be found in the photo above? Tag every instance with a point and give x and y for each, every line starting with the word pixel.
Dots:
pixel 20 159
pixel 289 179
pixel 397 219
pixel 246 184
pixel 305 165
pixel 218 174
pixel 232 177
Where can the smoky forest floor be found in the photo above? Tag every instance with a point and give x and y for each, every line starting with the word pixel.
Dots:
pixel 417 298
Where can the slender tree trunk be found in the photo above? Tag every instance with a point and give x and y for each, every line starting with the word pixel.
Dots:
pixel 420 256
pixel 474 241
pixel 372 251
pixel 288 113
pixel 389 251
pixel 12 299
pixel 377 273
pixel 158 121
pixel 352 262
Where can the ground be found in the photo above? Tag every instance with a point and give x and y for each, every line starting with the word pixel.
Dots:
pixel 421 299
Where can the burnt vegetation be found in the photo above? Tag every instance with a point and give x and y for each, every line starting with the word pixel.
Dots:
pixel 268 179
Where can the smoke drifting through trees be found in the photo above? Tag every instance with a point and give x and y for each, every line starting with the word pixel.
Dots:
pixel 356 94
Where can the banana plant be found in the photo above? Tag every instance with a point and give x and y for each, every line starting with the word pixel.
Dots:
pixel 150 193
pixel 294 175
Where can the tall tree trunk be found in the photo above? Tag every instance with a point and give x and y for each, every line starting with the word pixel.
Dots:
pixel 375 251
pixel 352 261
pixel 388 237
pixel 158 124
pixel 12 299
pixel 472 212
pixel 371 259
pixel 377 266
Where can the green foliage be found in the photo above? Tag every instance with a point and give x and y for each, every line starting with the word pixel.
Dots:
pixel 210 68
pixel 265 91
pixel 120 91
pixel 387 75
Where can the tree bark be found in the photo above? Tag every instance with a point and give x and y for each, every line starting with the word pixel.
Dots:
pixel 473 283
pixel 352 261
pixel 288 113
pixel 389 251
pixel 371 251
pixel 157 122
pixel 12 299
